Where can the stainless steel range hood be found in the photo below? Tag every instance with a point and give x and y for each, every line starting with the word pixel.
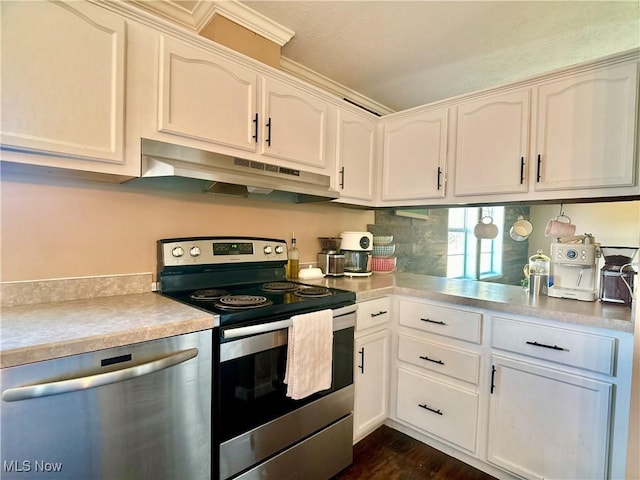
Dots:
pixel 183 168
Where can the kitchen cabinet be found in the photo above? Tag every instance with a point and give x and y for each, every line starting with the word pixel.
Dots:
pixel 414 156
pixel 492 144
pixel 438 371
pixel 371 366
pixel 355 156
pixel 219 104
pixel 63 86
pixel 552 405
pixel 205 97
pixel 586 130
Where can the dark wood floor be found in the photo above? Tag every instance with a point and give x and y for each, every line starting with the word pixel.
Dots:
pixel 387 454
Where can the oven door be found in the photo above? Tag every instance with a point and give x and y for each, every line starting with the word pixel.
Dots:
pixel 256 418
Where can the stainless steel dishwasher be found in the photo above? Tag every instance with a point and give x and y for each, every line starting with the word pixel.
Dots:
pixel 137 412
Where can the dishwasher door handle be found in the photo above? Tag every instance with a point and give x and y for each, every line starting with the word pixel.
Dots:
pixel 91 381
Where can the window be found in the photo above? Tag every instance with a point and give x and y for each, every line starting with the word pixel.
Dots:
pixel 468 256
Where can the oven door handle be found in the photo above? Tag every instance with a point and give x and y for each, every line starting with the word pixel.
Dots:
pixel 255 329
pixel 279 325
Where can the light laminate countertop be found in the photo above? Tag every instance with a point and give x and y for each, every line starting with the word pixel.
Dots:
pixel 491 296
pixel 43 331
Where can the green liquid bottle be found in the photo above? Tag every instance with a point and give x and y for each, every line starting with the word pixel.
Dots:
pixel 293 260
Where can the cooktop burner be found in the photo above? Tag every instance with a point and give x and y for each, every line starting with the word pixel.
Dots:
pixel 241 302
pixel 280 286
pixel 312 292
pixel 208 295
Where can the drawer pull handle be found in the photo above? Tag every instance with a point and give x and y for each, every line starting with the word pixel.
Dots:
pixel 381 312
pixel 439 322
pixel 427 407
pixel 439 362
pixel 552 347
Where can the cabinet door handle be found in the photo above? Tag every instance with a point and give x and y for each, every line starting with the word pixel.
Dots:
pixel 552 347
pixel 424 357
pixel 493 377
pixel 521 170
pixel 268 140
pixel 437 322
pixel 342 178
pixel 361 366
pixel 539 169
pixel 439 175
pixel 255 128
pixel 381 312
pixel 427 407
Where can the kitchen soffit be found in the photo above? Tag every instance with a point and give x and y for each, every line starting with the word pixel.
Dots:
pixel 392 54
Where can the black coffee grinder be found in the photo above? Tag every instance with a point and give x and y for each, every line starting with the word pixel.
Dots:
pixel 616 276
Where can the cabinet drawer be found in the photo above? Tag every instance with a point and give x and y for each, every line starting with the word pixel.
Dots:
pixel 373 312
pixel 568 347
pixel 438 408
pixel 440 358
pixel 450 322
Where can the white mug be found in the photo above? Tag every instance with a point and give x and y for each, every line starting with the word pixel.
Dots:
pixel 557 228
pixel 486 228
pixel 521 229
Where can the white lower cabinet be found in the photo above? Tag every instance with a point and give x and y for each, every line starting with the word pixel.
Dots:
pixel 515 396
pixel 371 366
pixel 442 409
pixel 545 423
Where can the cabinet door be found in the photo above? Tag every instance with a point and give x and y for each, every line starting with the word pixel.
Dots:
pixel 586 129
pixel 492 142
pixel 414 158
pixel 63 74
pixel 294 124
pixel 370 380
pixel 546 423
pixel 206 98
pixel 355 155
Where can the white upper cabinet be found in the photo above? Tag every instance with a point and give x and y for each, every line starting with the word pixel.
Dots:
pixel 355 156
pixel 205 97
pixel 294 124
pixel 414 156
pixel 492 142
pixel 63 85
pixel 586 129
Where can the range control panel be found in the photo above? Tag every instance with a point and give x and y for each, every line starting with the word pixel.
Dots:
pixel 574 254
pixel 176 252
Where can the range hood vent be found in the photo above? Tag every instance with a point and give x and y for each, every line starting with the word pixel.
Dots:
pixel 183 168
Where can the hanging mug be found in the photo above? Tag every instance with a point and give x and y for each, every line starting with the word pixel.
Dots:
pixel 521 229
pixel 486 229
pixel 559 228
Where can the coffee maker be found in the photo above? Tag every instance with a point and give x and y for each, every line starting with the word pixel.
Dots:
pixel 616 276
pixel 357 248
pixel 330 261
pixel 573 267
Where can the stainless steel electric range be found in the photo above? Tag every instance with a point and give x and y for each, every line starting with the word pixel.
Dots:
pixel 258 431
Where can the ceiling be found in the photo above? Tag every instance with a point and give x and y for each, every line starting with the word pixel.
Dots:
pixel 400 54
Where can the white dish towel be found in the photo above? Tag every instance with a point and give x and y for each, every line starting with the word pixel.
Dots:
pixel 309 354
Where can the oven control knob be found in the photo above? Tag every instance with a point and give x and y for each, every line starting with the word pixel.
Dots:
pixel 177 252
pixel 279 249
pixel 194 251
pixel 267 250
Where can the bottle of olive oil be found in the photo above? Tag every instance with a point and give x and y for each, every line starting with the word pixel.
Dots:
pixel 293 259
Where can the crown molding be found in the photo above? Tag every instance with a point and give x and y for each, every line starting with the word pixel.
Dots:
pixel 200 15
pixel 325 83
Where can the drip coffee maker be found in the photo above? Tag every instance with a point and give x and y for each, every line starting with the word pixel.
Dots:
pixel 616 276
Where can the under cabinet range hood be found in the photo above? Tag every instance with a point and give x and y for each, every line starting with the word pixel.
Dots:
pixel 176 167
